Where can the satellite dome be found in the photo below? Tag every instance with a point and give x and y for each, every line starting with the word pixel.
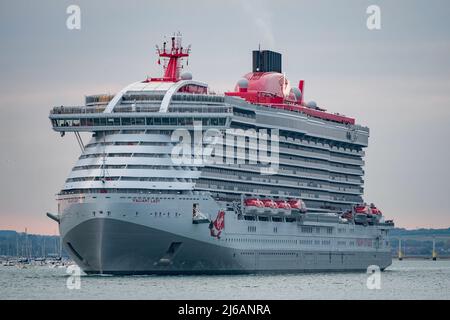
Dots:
pixel 243 83
pixel 312 105
pixel 297 93
pixel 186 76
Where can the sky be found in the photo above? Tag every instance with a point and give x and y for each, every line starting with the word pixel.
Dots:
pixel 395 80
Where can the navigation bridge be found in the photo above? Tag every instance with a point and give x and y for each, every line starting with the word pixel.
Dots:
pixel 185 110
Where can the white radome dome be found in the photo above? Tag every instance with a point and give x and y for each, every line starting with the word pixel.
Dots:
pixel 186 76
pixel 243 83
pixel 312 105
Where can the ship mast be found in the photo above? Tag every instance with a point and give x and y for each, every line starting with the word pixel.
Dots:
pixel 172 59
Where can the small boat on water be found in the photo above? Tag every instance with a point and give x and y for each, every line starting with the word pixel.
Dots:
pixel 9 263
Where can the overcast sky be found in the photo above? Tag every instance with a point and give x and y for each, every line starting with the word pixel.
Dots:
pixel 395 80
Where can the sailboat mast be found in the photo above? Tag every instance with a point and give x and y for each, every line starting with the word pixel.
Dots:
pixel 60 247
pixel 26 243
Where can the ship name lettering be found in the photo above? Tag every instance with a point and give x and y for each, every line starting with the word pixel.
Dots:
pixel 145 199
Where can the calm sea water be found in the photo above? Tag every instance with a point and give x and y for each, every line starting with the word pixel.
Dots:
pixel 410 279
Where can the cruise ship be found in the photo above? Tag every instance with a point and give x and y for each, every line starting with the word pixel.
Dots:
pixel 178 179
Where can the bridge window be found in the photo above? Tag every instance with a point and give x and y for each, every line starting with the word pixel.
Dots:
pixel 113 121
pixel 127 121
pixel 99 121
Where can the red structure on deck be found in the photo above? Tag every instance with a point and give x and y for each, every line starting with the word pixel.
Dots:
pixel 265 86
pixel 172 59
pixel 272 89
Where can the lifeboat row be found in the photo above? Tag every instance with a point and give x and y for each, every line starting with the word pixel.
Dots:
pixel 274 206
pixel 363 214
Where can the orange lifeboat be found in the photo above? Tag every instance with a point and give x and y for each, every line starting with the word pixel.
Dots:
pixel 374 210
pixel 361 212
pixel 297 204
pixel 281 204
pixel 253 202
pixel 361 209
pixel 269 203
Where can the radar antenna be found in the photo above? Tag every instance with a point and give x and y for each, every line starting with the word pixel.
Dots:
pixel 172 58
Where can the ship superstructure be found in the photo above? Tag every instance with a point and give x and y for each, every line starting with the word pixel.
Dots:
pixel 178 179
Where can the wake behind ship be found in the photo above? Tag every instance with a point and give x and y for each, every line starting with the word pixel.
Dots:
pixel 178 180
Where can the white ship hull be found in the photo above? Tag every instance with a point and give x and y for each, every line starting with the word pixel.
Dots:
pixel 123 242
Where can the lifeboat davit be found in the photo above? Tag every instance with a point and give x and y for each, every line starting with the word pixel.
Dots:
pixel 361 212
pixel 374 214
pixel 347 215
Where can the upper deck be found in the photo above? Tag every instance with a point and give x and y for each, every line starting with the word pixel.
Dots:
pixel 263 99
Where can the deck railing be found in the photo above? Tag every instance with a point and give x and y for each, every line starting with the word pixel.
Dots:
pixel 76 110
